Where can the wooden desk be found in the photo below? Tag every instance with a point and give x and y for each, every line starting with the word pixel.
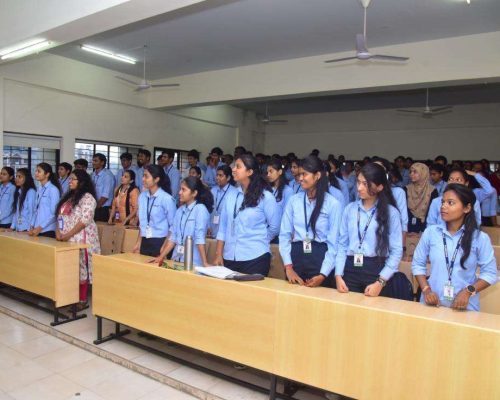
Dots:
pixel 493 233
pixel 366 348
pixel 42 266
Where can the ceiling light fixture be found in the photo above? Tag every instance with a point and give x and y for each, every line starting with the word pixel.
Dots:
pixel 107 53
pixel 24 49
pixel 468 2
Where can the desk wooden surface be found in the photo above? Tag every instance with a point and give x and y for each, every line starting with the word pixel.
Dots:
pixel 366 348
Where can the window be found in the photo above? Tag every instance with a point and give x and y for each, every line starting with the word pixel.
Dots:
pixel 26 151
pixel 112 151
pixel 180 159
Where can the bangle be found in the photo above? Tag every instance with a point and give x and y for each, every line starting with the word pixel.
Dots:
pixel 425 288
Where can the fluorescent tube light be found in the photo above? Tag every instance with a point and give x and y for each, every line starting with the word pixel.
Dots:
pixel 24 49
pixel 107 53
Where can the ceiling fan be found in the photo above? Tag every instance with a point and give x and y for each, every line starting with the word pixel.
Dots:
pixel 266 119
pixel 362 52
pixel 144 84
pixel 427 111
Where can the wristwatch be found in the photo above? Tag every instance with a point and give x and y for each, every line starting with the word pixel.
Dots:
pixel 471 289
pixel 382 281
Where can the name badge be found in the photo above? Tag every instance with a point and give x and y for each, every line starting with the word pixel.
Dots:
pixel 149 232
pixel 414 221
pixel 307 246
pixel 117 215
pixel 180 250
pixel 215 219
pixel 60 222
pixel 449 292
pixel 358 259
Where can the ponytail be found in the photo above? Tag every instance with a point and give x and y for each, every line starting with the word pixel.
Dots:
pixel 52 178
pixel 204 195
pixel 158 172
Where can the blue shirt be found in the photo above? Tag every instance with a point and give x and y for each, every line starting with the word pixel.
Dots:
pixel 104 183
pixel 211 174
pixel 139 173
pixel 440 187
pixel 351 186
pixel 405 174
pixel 349 241
pixel 22 218
pixel 339 196
pixel 434 213
pixel 46 201
pixel 296 187
pixel 247 235
pixel 64 182
pixel 344 188
pixel 220 197
pixel 121 171
pixel 489 205
pixel 485 190
pixel 191 221
pixel 288 175
pixel 293 227
pixel 431 247
pixel 175 180
pixel 161 207
pixel 6 202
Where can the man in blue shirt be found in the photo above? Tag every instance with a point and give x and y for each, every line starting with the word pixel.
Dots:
pixel 172 172
pixel 143 159
pixel 215 162
pixel 126 161
pixel 104 183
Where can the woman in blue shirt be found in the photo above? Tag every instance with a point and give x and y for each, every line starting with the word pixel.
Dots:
pixel 48 195
pixel 455 248
pixel 279 186
pixel 156 211
pixel 370 239
pixel 309 228
pixel 7 189
pixel 220 193
pixel 24 200
pixel 249 221
pixel 295 183
pixel 334 187
pixel 334 169
pixel 191 219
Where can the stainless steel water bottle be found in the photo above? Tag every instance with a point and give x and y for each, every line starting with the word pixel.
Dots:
pixel 188 254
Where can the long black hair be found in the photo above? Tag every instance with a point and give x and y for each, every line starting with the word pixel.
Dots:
pixel 313 165
pixel 375 174
pixel 226 169
pixel 332 178
pixel 85 185
pixel 466 197
pixel 29 183
pixel 131 187
pixel 11 173
pixel 47 168
pixel 258 184
pixel 157 172
pixel 204 195
pixel 282 181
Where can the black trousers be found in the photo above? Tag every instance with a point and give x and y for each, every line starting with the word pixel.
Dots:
pixel 259 265
pixel 102 214
pixel 50 234
pixel 486 221
pixel 358 278
pixel 151 247
pixel 5 226
pixel 308 265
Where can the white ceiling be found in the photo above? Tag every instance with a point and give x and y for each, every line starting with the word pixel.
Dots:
pixel 233 33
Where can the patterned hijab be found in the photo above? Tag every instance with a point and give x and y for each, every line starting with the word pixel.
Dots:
pixel 419 193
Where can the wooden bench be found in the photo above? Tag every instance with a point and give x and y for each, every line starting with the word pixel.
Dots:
pixel 42 266
pixel 493 233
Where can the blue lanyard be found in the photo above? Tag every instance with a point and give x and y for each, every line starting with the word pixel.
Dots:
pixel 183 231
pixel 96 178
pixel 449 266
pixel 149 209
pixel 39 198
pixel 362 238
pixel 168 170
pixel 235 214
pixel 4 192
pixel 64 180
pixel 307 224
pixel 222 198
pixel 298 187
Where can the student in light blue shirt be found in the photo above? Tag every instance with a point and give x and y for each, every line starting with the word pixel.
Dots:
pixel 221 192
pixel 437 174
pixel 25 201
pixel 156 212
pixel 370 245
pixel 193 158
pixel 295 182
pixel 64 170
pixel 405 172
pixel 48 195
pixel 309 228
pixel 455 248
pixel 489 209
pixel 191 219
pixel 104 182
pixel 143 160
pixel 172 172
pixel 126 161
pixel 215 162
pixel 279 185
pixel 7 190
pixel 249 221
pixel 336 190
pixel 342 185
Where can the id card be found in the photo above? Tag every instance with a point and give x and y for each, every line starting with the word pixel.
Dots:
pixel 449 292
pixel 358 259
pixel 60 223
pixel 149 232
pixel 117 215
pixel 307 246
pixel 215 219
pixel 180 250
pixel 414 221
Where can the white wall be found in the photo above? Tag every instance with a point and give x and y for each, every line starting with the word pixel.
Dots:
pixel 469 132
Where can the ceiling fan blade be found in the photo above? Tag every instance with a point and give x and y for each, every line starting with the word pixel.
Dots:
pixel 278 121
pixel 341 59
pixel 127 80
pixel 361 43
pixel 388 58
pixel 440 109
pixel 410 111
pixel 166 85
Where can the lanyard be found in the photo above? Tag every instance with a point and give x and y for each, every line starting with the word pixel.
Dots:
pixel 149 209
pixel 39 198
pixel 96 178
pixel 4 192
pixel 222 198
pixel 449 266
pixel 169 168
pixel 362 237
pixel 298 187
pixel 183 231
pixel 307 224
pixel 235 214
pixel 64 180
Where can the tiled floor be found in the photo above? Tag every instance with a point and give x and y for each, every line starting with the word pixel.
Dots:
pixel 40 366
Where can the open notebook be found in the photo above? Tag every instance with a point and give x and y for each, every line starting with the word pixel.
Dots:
pixel 226 273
